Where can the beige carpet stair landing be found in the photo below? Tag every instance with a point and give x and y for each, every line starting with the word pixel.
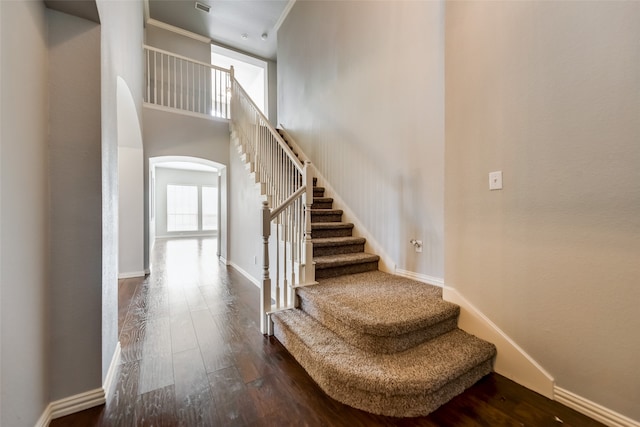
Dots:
pixel 375 341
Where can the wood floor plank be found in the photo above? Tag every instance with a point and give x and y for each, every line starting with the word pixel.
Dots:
pixel 194 404
pixel 156 408
pixel 194 298
pixel 233 403
pixel 120 407
pixel 215 351
pixel 183 335
pixel 156 365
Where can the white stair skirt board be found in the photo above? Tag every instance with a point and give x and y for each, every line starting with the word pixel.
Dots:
pixel 80 402
pixel 429 280
pixel 132 274
pixel 591 409
pixel 245 273
pixel 512 361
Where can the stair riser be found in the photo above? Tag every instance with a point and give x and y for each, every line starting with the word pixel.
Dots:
pixel 341 387
pixel 317 192
pixel 322 205
pixel 331 232
pixel 338 250
pixel 323 217
pixel 326 273
pixel 373 343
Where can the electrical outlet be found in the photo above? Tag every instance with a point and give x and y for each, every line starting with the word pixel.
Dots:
pixel 495 180
pixel 255 259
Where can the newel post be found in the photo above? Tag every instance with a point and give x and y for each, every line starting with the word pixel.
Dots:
pixel 266 327
pixel 309 270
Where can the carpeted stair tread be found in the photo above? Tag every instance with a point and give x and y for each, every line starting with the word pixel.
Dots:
pixel 326 211
pixel 411 383
pixel 337 241
pixel 323 200
pixel 330 225
pixel 330 261
pixel 362 302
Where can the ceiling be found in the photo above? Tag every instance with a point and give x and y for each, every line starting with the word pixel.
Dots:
pixel 228 21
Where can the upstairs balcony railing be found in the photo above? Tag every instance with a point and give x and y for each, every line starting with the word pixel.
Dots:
pixel 176 82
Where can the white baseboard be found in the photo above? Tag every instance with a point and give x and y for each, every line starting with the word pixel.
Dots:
pixel 132 274
pixel 77 403
pixel 45 418
pixel 80 402
pixel 245 273
pixel 593 410
pixel 430 280
pixel 109 379
pixel 511 361
pixel 223 260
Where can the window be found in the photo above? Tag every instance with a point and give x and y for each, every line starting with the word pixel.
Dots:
pixel 250 72
pixel 182 208
pixel 209 208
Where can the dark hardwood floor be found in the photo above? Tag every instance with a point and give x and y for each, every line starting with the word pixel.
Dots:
pixel 193 355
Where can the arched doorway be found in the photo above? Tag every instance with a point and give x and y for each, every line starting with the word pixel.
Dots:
pixel 187 197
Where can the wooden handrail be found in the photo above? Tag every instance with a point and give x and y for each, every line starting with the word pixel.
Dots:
pixel 273 130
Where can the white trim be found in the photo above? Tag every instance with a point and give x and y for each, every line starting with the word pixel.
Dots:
pixel 45 418
pixel 592 409
pixel 283 15
pixel 77 403
pixel 244 273
pixel 147 271
pixel 223 260
pixel 109 379
pixel 184 112
pixel 430 280
pixel 511 361
pixel 177 30
pixel 132 274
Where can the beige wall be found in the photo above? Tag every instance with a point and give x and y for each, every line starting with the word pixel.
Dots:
pixel 549 93
pixel 75 208
pixel 24 347
pixel 360 87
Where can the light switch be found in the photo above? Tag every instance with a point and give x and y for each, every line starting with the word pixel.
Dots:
pixel 495 180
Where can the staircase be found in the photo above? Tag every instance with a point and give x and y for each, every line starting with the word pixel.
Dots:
pixel 375 341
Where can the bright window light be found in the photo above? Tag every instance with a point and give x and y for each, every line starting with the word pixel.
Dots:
pixel 182 208
pixel 209 208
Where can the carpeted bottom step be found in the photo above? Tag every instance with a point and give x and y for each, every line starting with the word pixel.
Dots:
pixel 411 383
pixel 357 308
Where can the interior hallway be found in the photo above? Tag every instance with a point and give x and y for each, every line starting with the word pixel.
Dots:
pixel 193 355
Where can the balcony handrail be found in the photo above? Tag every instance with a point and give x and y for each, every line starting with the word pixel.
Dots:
pixel 184 58
pixel 186 85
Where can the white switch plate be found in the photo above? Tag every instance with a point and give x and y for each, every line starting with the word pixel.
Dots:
pixel 418 246
pixel 495 180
